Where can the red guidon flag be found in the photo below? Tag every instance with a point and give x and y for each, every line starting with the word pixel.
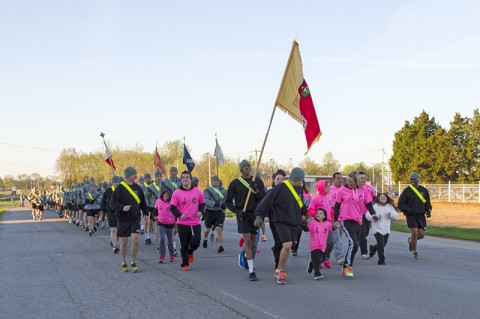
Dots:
pixel 294 97
pixel 159 164
pixel 108 157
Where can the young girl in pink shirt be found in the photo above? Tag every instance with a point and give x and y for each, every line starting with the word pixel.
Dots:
pixel 319 228
pixel 166 224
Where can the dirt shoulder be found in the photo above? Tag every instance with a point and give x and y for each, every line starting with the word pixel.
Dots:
pixel 464 215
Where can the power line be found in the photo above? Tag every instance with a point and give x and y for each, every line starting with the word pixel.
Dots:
pixel 30 147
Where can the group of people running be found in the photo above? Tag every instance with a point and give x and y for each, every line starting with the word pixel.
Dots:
pixel 167 207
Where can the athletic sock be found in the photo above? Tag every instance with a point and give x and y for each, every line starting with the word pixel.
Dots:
pixel 250 265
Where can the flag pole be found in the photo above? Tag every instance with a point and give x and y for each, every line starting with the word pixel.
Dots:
pixel 260 158
pixel 214 154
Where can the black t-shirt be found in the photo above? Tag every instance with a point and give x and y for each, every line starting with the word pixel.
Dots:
pixel 122 197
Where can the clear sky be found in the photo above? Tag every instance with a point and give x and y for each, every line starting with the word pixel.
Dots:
pixel 146 72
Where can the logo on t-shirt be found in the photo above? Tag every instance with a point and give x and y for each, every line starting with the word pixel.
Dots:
pixel 194 200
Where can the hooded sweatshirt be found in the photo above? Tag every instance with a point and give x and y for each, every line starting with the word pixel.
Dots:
pixel 321 200
pixel 351 203
pixel 165 216
pixel 188 202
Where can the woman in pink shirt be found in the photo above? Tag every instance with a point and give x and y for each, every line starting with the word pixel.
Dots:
pixel 349 209
pixel 166 225
pixel 188 205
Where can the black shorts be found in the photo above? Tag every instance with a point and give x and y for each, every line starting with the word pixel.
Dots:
pixel 40 208
pixel 93 212
pixel 34 206
pixel 287 233
pixel 111 218
pixel 416 221
pixel 246 227
pixel 214 218
pixel 127 228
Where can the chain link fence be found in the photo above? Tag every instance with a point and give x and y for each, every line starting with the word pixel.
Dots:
pixel 452 193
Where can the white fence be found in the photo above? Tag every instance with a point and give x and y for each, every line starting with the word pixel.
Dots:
pixel 452 193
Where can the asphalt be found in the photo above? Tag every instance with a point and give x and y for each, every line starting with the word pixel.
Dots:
pixel 51 269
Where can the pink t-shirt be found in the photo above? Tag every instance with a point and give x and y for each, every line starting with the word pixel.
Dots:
pixel 187 203
pixel 333 193
pixel 319 234
pixel 372 193
pixel 321 201
pixel 353 201
pixel 165 216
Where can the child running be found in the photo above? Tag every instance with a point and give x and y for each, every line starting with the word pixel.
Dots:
pixel 319 229
pixel 381 228
pixel 166 224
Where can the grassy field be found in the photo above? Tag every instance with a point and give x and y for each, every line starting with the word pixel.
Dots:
pixel 446 232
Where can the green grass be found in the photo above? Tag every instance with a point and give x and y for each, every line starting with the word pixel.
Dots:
pixel 446 232
pixel 5 205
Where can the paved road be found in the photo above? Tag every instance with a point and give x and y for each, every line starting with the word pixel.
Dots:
pixel 51 269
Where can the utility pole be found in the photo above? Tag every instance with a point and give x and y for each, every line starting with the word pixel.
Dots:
pixel 383 167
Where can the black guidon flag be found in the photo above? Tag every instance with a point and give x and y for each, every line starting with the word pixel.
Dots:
pixel 187 159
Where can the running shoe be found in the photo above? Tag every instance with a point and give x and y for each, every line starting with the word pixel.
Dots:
pixel 134 267
pixel 205 243
pixel 317 276
pixel 124 268
pixel 161 260
pixel 90 233
pixel 415 256
pixel 410 244
pixel 241 241
pixel 115 249
pixel 220 249
pixel 212 236
pixel 282 280
pixel 310 267
pixel 252 276
pixel 171 258
pixel 191 258
pixel 276 274
pixel 327 264
pixel 348 272
pixel 340 261
pixel 240 261
pixel 185 268
pixel 263 238
pixel 365 256
pixel 294 253
pixel 373 251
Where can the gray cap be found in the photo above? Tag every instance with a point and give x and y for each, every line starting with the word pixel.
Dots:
pixel 146 175
pixel 141 179
pixel 297 175
pixel 173 168
pixel 215 178
pixel 105 185
pixel 415 175
pixel 243 163
pixel 158 173
pixel 116 179
pixel 129 171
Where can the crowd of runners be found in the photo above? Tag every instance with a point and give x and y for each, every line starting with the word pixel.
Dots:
pixel 165 210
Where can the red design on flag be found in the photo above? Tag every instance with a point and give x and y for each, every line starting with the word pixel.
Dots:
pixel 309 116
pixel 159 164
pixel 108 157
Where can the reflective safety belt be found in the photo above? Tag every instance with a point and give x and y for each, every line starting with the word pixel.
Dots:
pixel 90 195
pixel 173 184
pixel 113 188
pixel 245 183
pixel 155 184
pixel 297 198
pixel 418 193
pixel 131 192
pixel 217 191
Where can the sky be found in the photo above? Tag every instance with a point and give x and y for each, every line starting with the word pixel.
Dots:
pixel 147 72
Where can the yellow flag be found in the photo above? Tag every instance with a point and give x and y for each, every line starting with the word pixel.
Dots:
pixel 288 97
